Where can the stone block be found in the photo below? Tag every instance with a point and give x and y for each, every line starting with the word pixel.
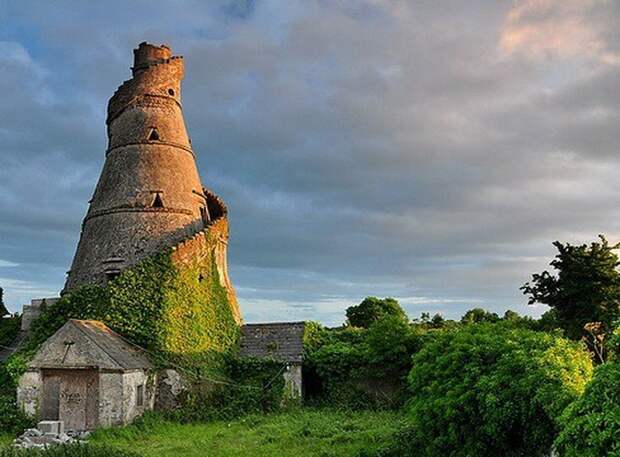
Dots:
pixel 51 427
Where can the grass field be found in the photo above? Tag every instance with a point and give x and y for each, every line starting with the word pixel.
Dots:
pixel 5 439
pixel 306 432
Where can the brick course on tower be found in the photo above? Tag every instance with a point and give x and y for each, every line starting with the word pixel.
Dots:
pixel 149 196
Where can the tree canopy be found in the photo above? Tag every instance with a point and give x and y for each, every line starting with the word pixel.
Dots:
pixel 373 309
pixel 585 289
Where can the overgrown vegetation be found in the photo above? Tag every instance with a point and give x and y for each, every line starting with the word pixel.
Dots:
pixel 591 425
pixel 482 386
pixel 9 327
pixel 250 386
pixel 489 390
pixel 12 420
pixel 360 368
pixel 180 314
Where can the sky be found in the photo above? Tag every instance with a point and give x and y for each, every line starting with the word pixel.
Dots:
pixel 426 150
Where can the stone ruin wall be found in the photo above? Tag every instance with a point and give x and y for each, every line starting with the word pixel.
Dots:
pixel 212 242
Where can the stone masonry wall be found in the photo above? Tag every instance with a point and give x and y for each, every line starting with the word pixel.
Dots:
pixel 149 195
pixel 110 399
pixel 29 391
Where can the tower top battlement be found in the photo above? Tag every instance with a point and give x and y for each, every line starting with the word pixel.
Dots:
pixel 147 54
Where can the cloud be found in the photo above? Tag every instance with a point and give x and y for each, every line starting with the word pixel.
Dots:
pixel 564 29
pixel 363 148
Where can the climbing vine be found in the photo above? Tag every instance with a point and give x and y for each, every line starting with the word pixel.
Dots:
pixel 178 312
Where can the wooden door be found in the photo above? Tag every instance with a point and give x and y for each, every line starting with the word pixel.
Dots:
pixel 77 398
pixel 50 399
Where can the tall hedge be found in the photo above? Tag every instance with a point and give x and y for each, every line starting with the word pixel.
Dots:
pixel 488 389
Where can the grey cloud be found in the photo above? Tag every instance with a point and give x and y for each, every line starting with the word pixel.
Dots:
pixel 385 148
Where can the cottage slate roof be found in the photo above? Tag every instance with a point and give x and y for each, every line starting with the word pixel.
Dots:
pixel 89 344
pixel 282 341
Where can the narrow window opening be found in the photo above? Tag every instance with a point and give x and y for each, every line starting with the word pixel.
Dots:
pixel 171 92
pixel 157 201
pixel 153 134
pixel 112 274
pixel 140 395
pixel 204 214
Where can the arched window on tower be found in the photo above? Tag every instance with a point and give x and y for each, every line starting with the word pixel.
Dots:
pixel 158 202
pixel 153 134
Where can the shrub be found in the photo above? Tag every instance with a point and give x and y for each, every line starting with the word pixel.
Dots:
pixel 9 327
pixel 12 419
pixel 361 368
pixel 255 386
pixel 493 389
pixel 591 425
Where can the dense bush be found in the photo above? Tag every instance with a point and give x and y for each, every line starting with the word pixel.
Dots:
pixel 492 389
pixel 591 425
pixel 9 327
pixel 250 386
pixel 12 419
pixel 358 367
pixel 69 451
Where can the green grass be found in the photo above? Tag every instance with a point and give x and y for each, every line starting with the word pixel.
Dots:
pixel 304 432
pixel 5 439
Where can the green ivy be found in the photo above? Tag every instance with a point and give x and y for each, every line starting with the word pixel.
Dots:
pixel 179 313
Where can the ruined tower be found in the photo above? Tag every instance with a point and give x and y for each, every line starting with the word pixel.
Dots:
pixel 149 196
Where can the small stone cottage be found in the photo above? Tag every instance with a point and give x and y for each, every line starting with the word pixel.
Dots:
pixel 87 376
pixel 281 341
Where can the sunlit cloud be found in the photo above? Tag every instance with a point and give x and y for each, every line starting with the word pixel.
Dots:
pixel 541 29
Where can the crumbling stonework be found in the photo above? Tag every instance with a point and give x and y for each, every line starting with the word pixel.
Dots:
pixel 171 387
pixel 149 196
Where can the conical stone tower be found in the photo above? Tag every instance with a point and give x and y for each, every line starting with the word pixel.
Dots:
pixel 149 196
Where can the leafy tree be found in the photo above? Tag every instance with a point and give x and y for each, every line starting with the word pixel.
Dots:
pixel 478 315
pixel 511 315
pixel 437 321
pixel 492 389
pixel 585 289
pixel 3 310
pixel 371 309
pixel 390 344
pixel 591 425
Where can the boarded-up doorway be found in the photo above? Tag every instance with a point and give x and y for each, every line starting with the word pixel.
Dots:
pixel 71 396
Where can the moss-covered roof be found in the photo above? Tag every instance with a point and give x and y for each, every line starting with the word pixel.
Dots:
pixel 282 341
pixel 89 344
